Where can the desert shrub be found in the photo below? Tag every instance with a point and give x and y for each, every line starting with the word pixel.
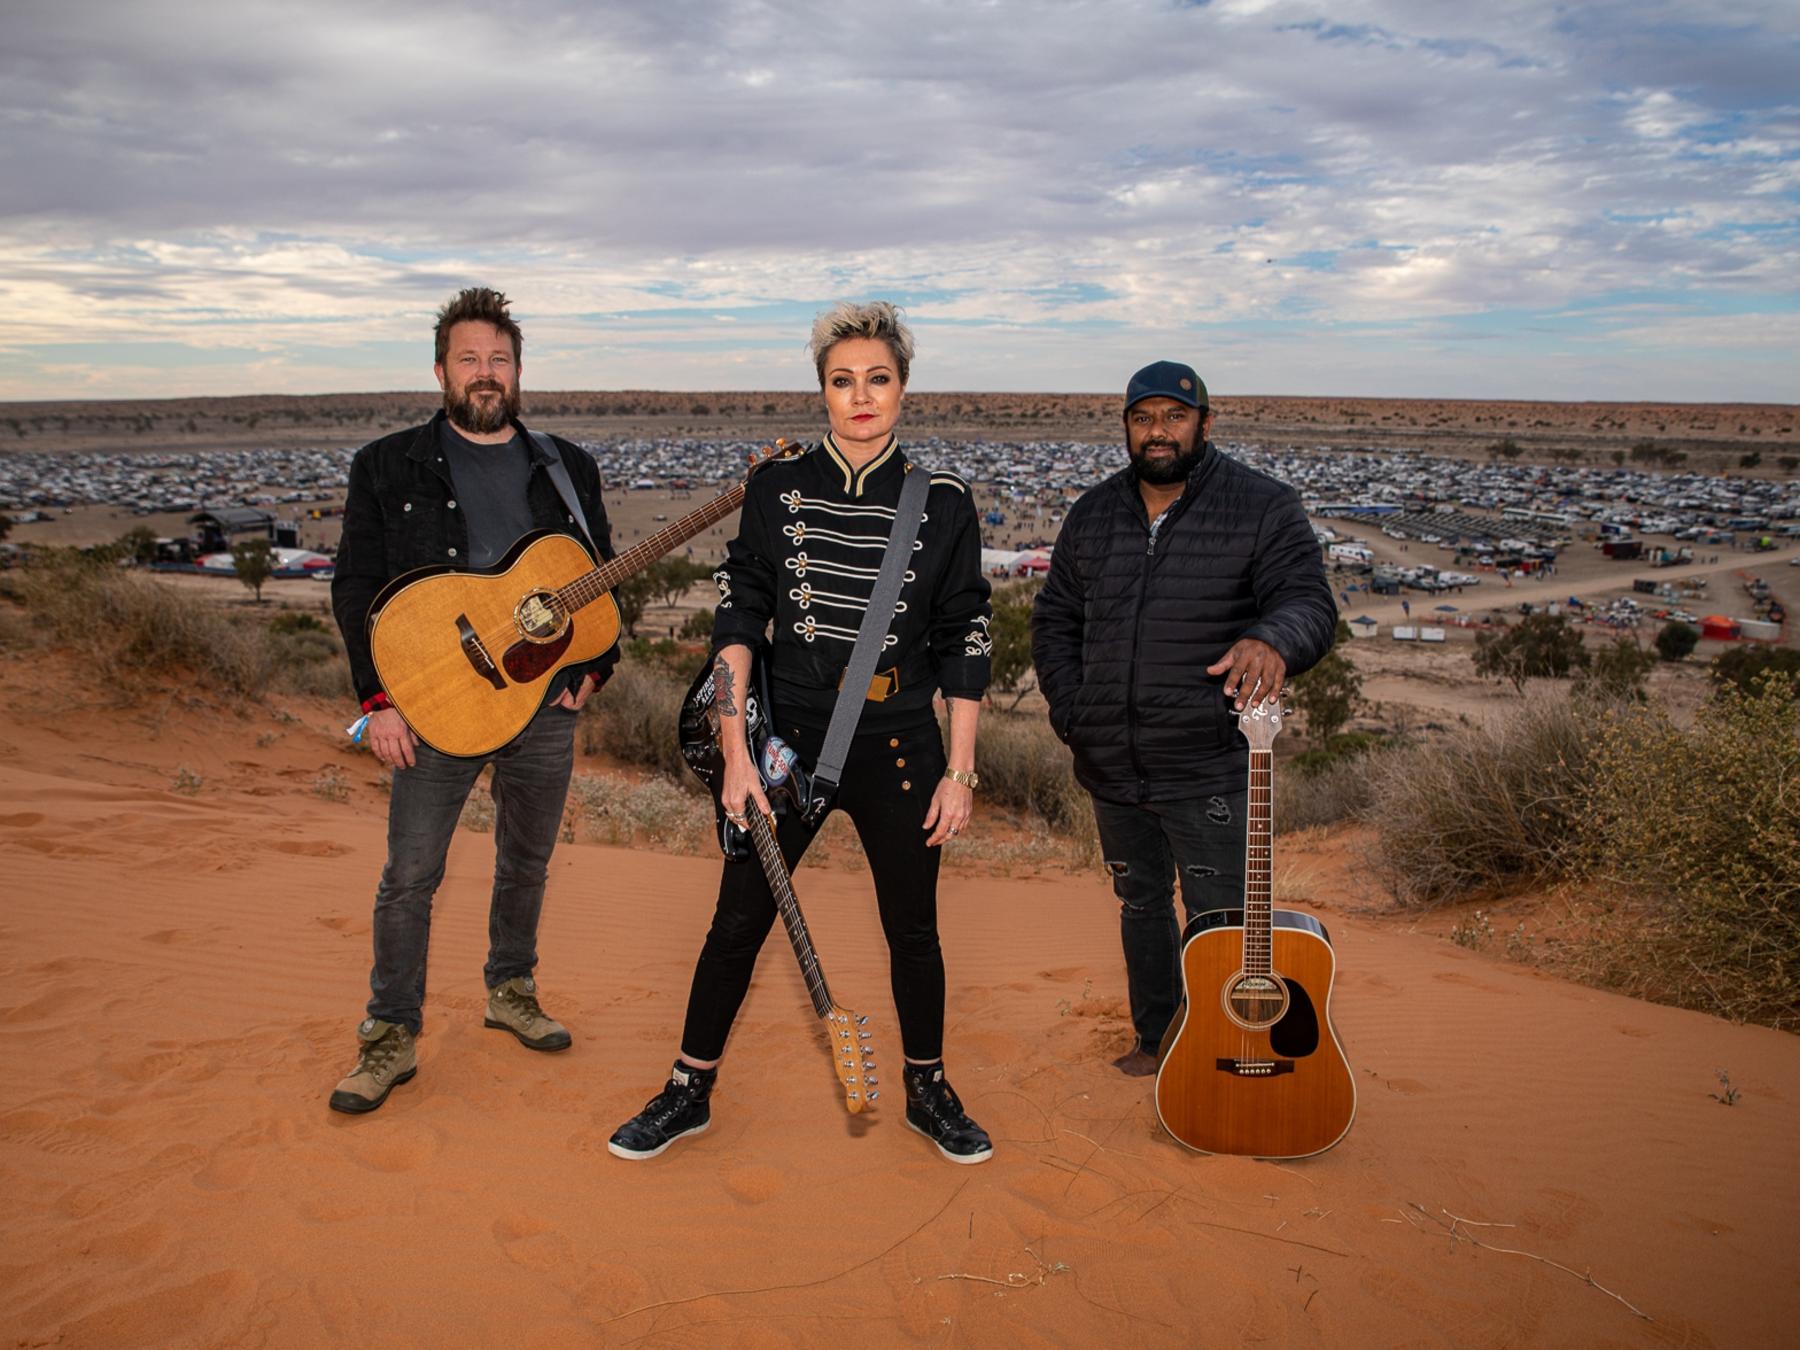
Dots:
pixel 608 809
pixel 1676 641
pixel 1484 807
pixel 1700 828
pixel 1741 667
pixel 698 626
pixel 1541 646
pixel 1337 788
pixel 1329 694
pixel 129 625
pixel 308 659
pixel 633 719
pixel 1010 632
pixel 1024 767
pixel 1619 670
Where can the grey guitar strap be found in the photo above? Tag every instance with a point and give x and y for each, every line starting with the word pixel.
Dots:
pixel 854 692
pixel 559 474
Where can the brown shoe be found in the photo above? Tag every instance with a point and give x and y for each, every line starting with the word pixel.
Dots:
pixel 513 1007
pixel 387 1059
pixel 1137 1062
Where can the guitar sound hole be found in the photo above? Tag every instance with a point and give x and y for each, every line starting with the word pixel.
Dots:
pixel 1255 1000
pixel 541 617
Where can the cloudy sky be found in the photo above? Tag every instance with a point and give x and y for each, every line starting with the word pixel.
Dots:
pixel 1384 197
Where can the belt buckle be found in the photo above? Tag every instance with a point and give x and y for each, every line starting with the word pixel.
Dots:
pixel 883 684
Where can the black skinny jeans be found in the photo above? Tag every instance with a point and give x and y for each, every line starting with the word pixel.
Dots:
pixel 889 777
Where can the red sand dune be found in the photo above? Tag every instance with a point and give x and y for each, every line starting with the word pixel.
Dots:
pixel 182 972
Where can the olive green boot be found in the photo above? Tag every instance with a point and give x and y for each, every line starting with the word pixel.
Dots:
pixel 513 1007
pixel 388 1058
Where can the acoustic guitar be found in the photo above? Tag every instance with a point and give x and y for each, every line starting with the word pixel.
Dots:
pixel 467 657
pixel 1256 1068
pixel 785 784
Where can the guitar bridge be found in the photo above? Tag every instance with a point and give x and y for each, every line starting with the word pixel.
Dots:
pixel 477 654
pixel 1255 1068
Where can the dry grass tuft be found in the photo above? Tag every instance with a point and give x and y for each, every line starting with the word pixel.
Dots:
pixel 1484 808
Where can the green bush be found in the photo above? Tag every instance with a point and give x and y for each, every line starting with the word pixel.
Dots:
pixel 1677 640
pixel 1541 646
pixel 1700 828
pixel 1740 667
pixel 633 719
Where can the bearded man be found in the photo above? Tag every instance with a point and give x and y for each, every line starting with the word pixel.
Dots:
pixel 458 492
pixel 1181 588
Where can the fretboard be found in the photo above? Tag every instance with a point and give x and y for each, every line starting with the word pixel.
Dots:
pixel 590 586
pixel 787 904
pixel 1259 863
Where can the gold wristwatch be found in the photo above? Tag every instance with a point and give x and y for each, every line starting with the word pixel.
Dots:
pixel 971 780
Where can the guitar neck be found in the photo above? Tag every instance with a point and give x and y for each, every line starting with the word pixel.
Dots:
pixel 1259 852
pixel 768 852
pixel 591 586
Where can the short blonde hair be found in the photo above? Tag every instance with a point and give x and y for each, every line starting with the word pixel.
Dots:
pixel 877 319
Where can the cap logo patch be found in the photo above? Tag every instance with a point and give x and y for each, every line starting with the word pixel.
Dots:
pixel 1186 383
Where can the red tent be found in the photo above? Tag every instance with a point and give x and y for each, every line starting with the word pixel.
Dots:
pixel 1718 626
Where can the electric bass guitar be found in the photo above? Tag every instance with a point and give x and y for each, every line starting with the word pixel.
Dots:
pixel 786 785
pixel 466 657
pixel 1255 1067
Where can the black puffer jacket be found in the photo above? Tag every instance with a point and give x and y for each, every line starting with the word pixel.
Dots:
pixel 401 514
pixel 1125 627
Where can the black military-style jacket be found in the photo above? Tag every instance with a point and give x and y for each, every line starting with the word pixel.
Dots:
pixel 808 548
pixel 401 514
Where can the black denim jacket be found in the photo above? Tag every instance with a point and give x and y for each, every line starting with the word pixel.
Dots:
pixel 401 514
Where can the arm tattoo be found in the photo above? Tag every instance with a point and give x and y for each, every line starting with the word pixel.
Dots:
pixel 722 694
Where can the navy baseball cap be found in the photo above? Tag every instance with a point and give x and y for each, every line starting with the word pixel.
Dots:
pixel 1166 379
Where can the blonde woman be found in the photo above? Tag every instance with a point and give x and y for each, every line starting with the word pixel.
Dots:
pixel 809 545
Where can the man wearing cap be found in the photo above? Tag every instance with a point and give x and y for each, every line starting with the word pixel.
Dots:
pixel 1180 589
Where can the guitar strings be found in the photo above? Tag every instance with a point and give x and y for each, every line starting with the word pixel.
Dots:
pixel 597 581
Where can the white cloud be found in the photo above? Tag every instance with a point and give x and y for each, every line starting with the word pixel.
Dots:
pixel 272 178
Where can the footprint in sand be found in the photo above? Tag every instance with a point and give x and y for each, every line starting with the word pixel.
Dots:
pixel 754 1185
pixel 609 1291
pixel 395 1153
pixel 311 848
pixel 54 1003
pixel 533 1243
pixel 23 820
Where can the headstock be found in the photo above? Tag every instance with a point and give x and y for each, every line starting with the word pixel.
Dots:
pixel 1260 722
pixel 854 1057
pixel 782 449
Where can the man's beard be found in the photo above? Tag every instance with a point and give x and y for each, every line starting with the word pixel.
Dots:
pixel 1161 473
pixel 481 418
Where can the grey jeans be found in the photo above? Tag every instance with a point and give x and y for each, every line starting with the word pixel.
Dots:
pixel 531 783
pixel 1201 840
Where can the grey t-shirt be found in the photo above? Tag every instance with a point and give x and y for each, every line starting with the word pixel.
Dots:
pixel 490 492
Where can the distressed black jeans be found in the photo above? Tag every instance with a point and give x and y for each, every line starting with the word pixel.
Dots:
pixel 531 784
pixel 1145 848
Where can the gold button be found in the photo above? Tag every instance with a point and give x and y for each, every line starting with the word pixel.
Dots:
pixel 899 764
pixel 905 785
pixel 894 743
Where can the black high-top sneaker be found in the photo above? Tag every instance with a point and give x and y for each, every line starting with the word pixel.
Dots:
pixel 932 1108
pixel 681 1108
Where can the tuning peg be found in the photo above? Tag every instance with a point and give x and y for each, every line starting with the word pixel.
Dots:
pixel 853 1094
pixel 863 1035
pixel 870 1079
pixel 874 1095
pixel 868 1064
pixel 862 1020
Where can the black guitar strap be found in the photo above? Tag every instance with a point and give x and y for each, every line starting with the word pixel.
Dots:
pixel 854 692
pixel 565 487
